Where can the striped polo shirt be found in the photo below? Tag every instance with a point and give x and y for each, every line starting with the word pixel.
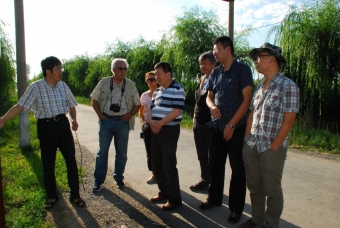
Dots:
pixel 165 100
pixel 47 101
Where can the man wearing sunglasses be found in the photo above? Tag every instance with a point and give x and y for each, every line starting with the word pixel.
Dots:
pixel 273 110
pixel 115 99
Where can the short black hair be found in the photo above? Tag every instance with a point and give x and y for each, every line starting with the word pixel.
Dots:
pixel 207 55
pixel 225 42
pixel 166 67
pixel 49 63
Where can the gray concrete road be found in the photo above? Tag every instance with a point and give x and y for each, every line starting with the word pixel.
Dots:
pixel 311 185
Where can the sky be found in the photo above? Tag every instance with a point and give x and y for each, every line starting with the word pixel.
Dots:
pixel 67 28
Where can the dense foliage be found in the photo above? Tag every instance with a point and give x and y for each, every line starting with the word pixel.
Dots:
pixel 310 38
pixel 7 69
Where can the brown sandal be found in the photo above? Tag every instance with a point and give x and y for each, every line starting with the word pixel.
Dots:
pixel 50 203
pixel 78 202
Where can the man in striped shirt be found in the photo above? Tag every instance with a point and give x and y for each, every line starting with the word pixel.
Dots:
pixel 51 99
pixel 165 116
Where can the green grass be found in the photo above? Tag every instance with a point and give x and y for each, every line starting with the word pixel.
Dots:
pixel 24 193
pixel 305 138
pixel 84 100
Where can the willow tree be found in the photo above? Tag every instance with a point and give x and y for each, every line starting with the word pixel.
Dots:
pixel 310 38
pixel 7 68
pixel 192 34
pixel 74 74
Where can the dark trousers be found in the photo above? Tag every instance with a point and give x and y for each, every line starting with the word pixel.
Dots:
pixel 219 152
pixel 52 135
pixel 147 142
pixel 201 137
pixel 163 156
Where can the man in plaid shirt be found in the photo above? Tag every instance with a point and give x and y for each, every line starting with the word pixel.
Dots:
pixel 51 99
pixel 273 108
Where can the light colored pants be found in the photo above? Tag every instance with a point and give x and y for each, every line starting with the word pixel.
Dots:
pixel 264 174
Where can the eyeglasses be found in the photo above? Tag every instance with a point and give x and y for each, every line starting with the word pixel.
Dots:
pixel 151 80
pixel 256 57
pixel 60 69
pixel 122 68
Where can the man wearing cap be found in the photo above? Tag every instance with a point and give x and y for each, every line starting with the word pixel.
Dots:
pixel 273 110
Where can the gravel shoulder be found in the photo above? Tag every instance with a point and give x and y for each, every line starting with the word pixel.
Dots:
pixel 110 207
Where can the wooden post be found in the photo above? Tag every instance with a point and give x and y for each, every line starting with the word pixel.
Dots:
pixel 21 69
pixel 231 19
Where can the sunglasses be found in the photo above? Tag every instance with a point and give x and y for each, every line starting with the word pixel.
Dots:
pixel 151 80
pixel 122 68
pixel 256 57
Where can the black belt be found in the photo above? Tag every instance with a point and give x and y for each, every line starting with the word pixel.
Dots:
pixel 55 118
pixel 114 117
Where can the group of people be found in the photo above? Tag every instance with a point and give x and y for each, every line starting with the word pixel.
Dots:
pixel 230 120
pixel 251 128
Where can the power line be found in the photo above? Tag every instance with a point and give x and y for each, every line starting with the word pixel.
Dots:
pixel 264 26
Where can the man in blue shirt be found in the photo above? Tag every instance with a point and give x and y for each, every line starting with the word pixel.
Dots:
pixel 229 97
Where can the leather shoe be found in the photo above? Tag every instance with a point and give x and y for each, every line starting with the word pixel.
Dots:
pixel 169 206
pixel 234 217
pixel 206 205
pixel 157 198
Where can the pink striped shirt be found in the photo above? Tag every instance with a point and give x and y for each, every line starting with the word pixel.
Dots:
pixel 145 101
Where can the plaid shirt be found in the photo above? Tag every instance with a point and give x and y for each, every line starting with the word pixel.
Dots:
pixel 47 101
pixel 269 107
pixel 227 87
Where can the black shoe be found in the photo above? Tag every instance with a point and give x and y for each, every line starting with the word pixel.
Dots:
pixel 249 224
pixel 200 186
pixel 234 218
pixel 96 188
pixel 206 205
pixel 120 184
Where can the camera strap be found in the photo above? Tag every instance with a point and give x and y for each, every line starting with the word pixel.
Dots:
pixel 122 90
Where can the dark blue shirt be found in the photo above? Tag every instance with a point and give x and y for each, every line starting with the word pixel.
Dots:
pixel 227 87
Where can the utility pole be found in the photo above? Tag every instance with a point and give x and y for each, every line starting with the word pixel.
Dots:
pixel 21 69
pixel 231 19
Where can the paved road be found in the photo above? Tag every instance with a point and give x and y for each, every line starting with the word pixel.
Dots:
pixel 311 185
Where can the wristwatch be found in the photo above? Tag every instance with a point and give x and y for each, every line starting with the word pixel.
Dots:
pixel 231 126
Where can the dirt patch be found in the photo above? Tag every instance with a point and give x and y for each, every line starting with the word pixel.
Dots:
pixel 111 207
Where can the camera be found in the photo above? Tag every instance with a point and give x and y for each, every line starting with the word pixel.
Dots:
pixel 115 107
pixel 142 135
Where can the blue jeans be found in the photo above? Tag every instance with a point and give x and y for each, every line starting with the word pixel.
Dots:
pixel 119 129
